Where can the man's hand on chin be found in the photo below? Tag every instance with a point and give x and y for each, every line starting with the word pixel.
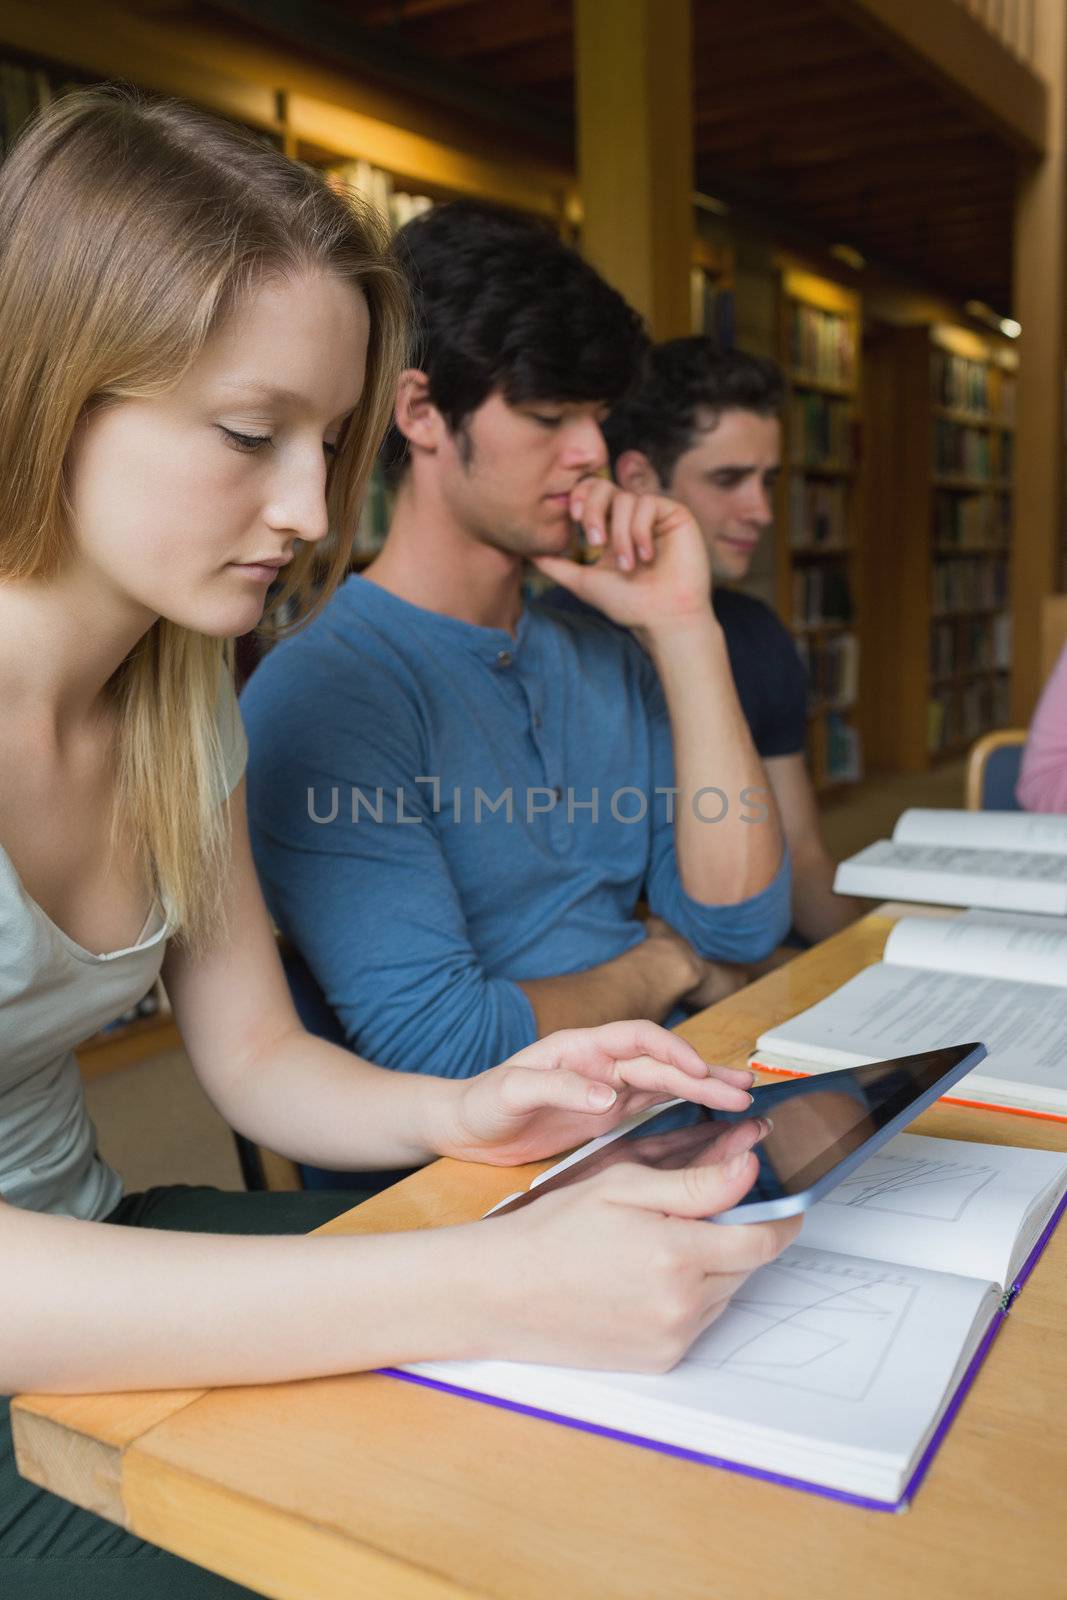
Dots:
pixel 653 573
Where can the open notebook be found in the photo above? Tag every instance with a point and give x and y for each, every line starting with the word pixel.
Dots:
pixel 1006 860
pixel 996 976
pixel 839 1367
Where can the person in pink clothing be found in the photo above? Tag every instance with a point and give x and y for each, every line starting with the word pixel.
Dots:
pixel 1043 780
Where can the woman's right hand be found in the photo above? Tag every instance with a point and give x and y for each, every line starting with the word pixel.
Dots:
pixel 621 1271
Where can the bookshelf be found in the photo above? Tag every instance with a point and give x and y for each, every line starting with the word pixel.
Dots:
pixel 817 577
pixel 940 552
pixel 144 1030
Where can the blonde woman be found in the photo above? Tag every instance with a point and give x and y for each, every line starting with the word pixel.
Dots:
pixel 199 345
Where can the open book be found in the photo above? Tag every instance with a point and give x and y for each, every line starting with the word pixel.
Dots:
pixel 839 1367
pixel 997 976
pixel 1007 860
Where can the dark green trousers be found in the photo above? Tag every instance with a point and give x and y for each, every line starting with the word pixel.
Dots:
pixel 51 1550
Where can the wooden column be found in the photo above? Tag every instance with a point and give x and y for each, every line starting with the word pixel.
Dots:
pixel 1041 307
pixel 634 80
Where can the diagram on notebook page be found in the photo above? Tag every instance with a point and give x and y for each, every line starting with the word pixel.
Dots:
pixel 808 1323
pixel 939 1191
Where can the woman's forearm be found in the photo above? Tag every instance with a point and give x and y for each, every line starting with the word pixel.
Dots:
pixel 316 1102
pixel 104 1307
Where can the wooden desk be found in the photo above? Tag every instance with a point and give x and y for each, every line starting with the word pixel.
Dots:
pixel 366 1487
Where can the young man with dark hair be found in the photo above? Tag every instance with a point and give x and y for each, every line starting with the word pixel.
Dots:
pixel 458 798
pixel 703 427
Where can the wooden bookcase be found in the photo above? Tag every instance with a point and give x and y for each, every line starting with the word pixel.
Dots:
pixel 818 574
pixel 941 402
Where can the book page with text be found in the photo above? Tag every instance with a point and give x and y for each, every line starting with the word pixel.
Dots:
pixel 1013 880
pixel 1027 949
pixel 887 1011
pixel 983 830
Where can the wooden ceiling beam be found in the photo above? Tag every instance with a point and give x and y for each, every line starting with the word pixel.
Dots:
pixel 490 25
pixel 874 210
pixel 368 53
pixel 847 119
pixel 758 205
pixel 880 232
pixel 910 235
pixel 943 42
pixel 817 142
pixel 749 74
pixel 921 180
pixel 387 13
pixel 787 97
pixel 887 173
pixel 550 61
pixel 724 28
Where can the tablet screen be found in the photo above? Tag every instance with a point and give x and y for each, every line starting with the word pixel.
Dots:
pixel 816 1123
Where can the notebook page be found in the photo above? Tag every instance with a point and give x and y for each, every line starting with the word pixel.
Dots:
pixel 945 1204
pixel 1027 949
pixel 826 1367
pixel 984 830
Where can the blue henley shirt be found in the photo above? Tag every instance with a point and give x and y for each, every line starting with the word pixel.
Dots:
pixel 439 811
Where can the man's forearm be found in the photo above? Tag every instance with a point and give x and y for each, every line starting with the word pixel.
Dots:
pixel 727 860
pixel 817 911
pixel 646 981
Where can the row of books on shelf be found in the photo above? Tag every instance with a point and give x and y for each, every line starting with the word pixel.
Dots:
pixel 844 754
pixel 817 513
pixel 712 307
pixel 832 666
pixel 153 1004
pixel 959 382
pixel 958 584
pixel 23 92
pixel 961 451
pixel 961 713
pixel 822 346
pixel 377 189
pixel 374 518
pixel 821 594
pixel 971 644
pixel 971 521
pixel 821 431
pixel 963 384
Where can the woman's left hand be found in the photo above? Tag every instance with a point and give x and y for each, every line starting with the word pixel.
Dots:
pixel 577 1084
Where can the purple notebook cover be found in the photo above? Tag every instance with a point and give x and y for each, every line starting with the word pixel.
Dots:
pixel 911 1488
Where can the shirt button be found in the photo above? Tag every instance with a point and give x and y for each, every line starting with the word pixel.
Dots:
pixel 536 719
pixel 504 658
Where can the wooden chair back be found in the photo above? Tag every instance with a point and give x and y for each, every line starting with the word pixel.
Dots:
pixel 993 770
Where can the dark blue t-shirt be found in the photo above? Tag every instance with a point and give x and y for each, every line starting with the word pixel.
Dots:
pixel 772 684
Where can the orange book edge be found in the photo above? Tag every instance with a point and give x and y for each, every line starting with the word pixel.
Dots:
pixel 949 1099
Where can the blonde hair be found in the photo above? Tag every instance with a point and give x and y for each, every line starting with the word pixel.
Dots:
pixel 130 228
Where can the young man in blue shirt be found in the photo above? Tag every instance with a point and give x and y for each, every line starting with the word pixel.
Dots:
pixel 703 428
pixel 459 799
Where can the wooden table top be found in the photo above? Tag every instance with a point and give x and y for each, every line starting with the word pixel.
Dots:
pixel 365 1486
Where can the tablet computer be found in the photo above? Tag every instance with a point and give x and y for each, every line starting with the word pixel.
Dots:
pixel 822 1129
